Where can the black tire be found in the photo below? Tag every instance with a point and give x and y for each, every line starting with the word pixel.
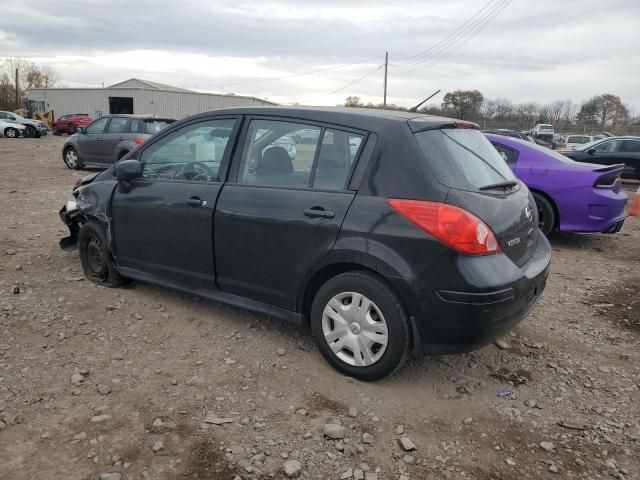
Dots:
pixel 71 129
pixel 29 132
pixel 72 159
pixel 546 214
pixel 55 131
pixel 11 132
pixel 393 314
pixel 95 257
pixel 37 134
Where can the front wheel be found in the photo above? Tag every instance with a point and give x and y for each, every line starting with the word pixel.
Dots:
pixel 71 159
pixel 96 259
pixel 10 132
pixel 546 214
pixel 30 132
pixel 71 129
pixel 360 326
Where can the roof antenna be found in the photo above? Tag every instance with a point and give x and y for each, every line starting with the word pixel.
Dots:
pixel 415 109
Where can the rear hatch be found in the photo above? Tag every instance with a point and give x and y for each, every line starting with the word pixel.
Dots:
pixel 481 182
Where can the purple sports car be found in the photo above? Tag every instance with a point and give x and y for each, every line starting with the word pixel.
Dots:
pixel 581 197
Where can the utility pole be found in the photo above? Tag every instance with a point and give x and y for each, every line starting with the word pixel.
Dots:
pixel 17 92
pixel 386 66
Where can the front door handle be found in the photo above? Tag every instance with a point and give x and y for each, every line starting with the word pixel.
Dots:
pixel 319 212
pixel 196 202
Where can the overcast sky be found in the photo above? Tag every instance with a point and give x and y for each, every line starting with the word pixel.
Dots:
pixel 524 50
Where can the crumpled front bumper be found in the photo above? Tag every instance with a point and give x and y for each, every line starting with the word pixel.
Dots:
pixel 71 220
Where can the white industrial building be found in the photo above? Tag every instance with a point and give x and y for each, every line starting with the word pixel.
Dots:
pixel 134 96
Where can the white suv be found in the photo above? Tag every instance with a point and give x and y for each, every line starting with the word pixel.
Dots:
pixel 543 130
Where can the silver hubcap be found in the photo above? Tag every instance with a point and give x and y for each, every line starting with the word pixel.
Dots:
pixel 72 158
pixel 355 329
pixel 11 133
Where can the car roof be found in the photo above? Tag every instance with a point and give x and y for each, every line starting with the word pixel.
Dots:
pixel 137 115
pixel 365 118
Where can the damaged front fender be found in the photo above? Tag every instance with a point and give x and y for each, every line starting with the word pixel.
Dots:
pixel 87 202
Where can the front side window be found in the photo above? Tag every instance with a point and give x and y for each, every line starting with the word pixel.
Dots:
pixel 278 153
pixel 97 126
pixel 192 153
pixel 118 124
pixel 610 146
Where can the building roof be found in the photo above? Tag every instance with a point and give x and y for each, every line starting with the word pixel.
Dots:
pixel 139 83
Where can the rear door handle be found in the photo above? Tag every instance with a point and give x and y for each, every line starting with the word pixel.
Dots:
pixel 196 202
pixel 319 212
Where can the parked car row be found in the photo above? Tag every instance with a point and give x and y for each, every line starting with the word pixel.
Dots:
pixel 390 234
pixel 24 127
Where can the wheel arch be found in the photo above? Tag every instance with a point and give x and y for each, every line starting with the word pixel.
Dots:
pixel 554 205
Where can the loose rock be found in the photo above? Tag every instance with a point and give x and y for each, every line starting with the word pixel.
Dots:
pixel 292 468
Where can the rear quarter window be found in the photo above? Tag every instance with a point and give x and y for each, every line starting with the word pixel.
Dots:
pixel 463 158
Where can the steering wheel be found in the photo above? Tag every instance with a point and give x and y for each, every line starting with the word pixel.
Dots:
pixel 188 171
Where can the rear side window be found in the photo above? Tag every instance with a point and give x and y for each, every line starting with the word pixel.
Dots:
pixel 153 126
pixel 508 155
pixel 337 153
pixel 579 139
pixel 463 158
pixel 273 157
pixel 631 146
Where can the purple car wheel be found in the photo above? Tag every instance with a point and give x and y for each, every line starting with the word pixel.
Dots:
pixel 546 214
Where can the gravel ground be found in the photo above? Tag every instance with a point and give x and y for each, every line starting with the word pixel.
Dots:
pixel 147 383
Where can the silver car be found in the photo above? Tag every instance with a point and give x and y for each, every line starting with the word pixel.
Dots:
pixel 109 138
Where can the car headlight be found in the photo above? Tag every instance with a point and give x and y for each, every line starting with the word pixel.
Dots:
pixel 72 204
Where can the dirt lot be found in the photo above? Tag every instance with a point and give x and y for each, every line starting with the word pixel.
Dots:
pixel 96 381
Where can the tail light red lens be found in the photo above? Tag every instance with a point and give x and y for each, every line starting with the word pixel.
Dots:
pixel 138 141
pixel 453 226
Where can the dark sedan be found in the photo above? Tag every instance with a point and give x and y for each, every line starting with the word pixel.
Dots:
pixel 107 139
pixel 389 234
pixel 612 151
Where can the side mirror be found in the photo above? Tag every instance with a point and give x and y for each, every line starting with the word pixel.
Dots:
pixel 591 151
pixel 128 170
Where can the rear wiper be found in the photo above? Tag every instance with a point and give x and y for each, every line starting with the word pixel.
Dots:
pixel 505 185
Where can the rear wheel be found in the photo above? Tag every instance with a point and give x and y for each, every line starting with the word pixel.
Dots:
pixel 71 159
pixel 360 326
pixel 55 131
pixel 96 259
pixel 10 132
pixel 546 214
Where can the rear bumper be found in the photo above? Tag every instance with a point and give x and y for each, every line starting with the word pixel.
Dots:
pixel 491 296
pixel 591 210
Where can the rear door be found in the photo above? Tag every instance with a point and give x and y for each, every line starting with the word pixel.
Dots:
pixel 630 156
pixel 91 139
pixel 281 210
pixel 163 222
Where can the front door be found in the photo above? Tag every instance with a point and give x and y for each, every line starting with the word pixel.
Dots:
pixel 163 222
pixel 283 207
pixel 115 133
pixel 90 141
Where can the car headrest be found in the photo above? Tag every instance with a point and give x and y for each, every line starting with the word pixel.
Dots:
pixel 275 160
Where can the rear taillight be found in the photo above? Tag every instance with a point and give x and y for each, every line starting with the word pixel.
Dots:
pixel 608 181
pixel 138 141
pixel 453 226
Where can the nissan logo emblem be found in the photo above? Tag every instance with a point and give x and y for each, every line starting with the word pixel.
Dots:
pixel 528 213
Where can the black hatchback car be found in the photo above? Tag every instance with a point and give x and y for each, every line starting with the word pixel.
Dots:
pixel 388 233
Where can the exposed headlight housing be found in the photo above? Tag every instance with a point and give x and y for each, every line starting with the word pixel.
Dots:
pixel 72 204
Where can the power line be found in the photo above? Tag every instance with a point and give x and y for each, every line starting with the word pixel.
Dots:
pixel 455 40
pixel 358 79
pixel 283 77
pixel 448 36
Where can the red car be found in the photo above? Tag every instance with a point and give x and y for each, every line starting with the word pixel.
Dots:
pixel 70 123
